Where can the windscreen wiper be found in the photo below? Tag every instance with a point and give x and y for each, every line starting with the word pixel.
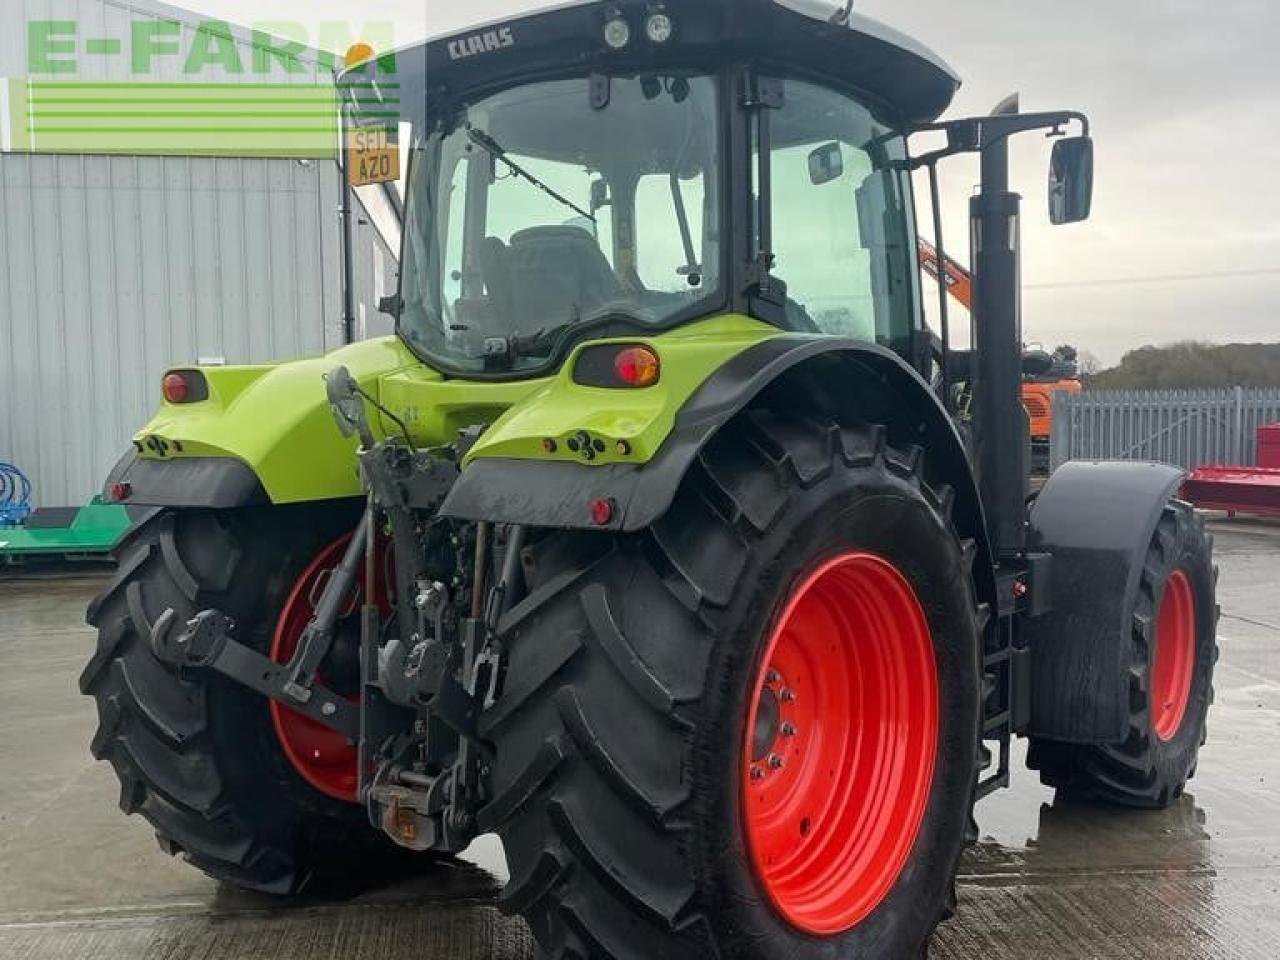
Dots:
pixel 692 270
pixel 498 152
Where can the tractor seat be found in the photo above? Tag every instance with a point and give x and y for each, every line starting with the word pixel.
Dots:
pixel 548 276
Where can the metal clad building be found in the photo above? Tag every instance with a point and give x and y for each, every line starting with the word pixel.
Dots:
pixel 116 267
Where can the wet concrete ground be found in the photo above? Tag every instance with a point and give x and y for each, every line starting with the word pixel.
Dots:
pixel 1049 879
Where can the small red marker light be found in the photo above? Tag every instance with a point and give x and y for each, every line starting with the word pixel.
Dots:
pixel 602 511
pixel 120 492
pixel 549 445
pixel 637 366
pixel 175 388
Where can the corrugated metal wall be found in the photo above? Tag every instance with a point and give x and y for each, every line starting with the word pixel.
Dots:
pixel 376 272
pixel 114 268
pixel 1185 428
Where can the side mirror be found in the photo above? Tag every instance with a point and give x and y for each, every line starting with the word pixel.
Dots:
pixel 826 163
pixel 1071 180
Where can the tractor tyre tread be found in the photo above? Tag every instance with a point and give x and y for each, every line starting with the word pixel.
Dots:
pixel 607 679
pixel 193 752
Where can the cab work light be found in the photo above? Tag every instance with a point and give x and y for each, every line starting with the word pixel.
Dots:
pixel 617 32
pixel 658 27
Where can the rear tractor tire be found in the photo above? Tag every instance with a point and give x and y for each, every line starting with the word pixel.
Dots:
pixel 201 758
pixel 750 731
pixel 1171 656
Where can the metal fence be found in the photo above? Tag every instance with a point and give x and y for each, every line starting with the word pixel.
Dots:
pixel 1185 428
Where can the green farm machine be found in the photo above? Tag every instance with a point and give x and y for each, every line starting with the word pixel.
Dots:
pixel 652 542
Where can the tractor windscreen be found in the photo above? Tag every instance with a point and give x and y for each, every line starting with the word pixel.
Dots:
pixel 555 205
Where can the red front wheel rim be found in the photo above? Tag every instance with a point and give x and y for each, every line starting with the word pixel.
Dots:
pixel 840 744
pixel 323 757
pixel 1174 663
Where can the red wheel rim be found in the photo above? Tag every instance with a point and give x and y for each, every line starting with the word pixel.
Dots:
pixel 1175 657
pixel 323 757
pixel 841 744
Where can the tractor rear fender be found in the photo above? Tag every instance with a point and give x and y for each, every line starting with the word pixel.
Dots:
pixel 1097 521
pixel 828 373
pixel 266 434
pixel 254 435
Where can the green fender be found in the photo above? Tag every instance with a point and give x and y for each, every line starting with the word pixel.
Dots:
pixel 266 434
pixel 263 433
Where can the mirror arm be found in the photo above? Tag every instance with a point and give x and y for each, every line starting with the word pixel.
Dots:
pixel 1006 125
pixel 972 134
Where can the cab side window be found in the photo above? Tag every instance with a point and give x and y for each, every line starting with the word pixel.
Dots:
pixel 843 229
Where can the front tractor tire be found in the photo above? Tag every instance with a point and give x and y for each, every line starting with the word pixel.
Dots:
pixel 751 731
pixel 1170 657
pixel 197 755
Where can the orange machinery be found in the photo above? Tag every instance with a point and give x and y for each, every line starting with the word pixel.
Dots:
pixel 1037 391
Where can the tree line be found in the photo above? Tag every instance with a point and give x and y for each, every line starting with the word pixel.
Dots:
pixel 1190 366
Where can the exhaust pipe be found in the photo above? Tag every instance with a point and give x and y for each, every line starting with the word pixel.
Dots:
pixel 1001 429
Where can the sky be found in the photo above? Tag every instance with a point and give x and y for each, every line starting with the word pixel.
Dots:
pixel 1184 96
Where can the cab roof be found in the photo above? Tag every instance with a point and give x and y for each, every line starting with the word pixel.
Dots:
pixel 901 80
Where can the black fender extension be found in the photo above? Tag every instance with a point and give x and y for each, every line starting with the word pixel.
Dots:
pixel 1096 519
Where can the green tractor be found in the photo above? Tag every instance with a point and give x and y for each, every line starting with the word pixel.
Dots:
pixel 652 542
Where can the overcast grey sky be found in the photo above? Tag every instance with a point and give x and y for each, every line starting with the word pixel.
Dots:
pixel 1185 99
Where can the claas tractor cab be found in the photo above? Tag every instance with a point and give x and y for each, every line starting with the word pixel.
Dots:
pixel 650 542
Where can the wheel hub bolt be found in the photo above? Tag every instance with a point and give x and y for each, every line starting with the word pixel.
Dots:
pixel 772 677
pixel 756 773
pixel 788 695
pixel 788 729
pixel 775 762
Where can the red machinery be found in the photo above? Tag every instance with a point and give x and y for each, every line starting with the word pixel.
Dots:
pixel 1269 447
pixel 1254 490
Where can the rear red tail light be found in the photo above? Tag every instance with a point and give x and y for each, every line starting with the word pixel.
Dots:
pixel 184 386
pixel 175 389
pixel 120 492
pixel 637 367
pixel 618 366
